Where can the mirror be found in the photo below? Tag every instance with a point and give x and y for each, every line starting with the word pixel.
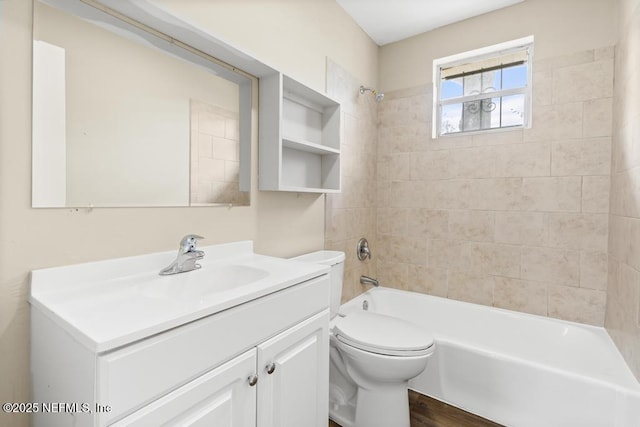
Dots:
pixel 125 116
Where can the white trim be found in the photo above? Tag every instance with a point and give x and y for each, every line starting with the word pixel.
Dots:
pixel 478 55
pixel 487 51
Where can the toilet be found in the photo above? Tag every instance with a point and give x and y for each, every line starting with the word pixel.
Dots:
pixel 372 358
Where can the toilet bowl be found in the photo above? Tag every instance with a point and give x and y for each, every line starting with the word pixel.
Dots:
pixel 372 358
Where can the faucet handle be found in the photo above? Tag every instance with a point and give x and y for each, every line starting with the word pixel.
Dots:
pixel 189 243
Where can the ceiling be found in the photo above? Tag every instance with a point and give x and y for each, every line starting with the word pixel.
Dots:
pixel 387 21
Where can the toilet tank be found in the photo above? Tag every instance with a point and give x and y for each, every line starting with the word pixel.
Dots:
pixel 334 259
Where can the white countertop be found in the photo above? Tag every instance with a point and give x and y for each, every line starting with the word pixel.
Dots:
pixel 107 304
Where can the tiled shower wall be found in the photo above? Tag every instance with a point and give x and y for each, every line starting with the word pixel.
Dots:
pixel 215 156
pixel 351 214
pixel 516 219
pixel 623 294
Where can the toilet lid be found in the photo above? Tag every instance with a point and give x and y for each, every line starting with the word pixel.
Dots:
pixel 382 334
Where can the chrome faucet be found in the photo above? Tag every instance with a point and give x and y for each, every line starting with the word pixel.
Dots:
pixel 366 280
pixel 187 257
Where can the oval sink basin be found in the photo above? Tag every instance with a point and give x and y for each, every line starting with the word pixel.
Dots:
pixel 200 283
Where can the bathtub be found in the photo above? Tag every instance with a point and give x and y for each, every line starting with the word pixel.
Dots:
pixel 514 368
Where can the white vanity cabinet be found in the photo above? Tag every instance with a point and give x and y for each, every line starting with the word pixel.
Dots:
pixel 252 356
pixel 281 383
pixel 295 391
pixel 221 397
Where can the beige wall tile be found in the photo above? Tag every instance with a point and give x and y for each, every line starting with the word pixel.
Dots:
pixel 624 242
pixel 531 159
pixel 427 280
pixel 225 149
pixel 383 193
pixel 595 194
pixel 625 200
pixel 494 259
pixel 231 171
pixel 211 124
pixel 596 156
pixel 428 224
pixel 507 260
pixel 467 287
pixel 577 304
pixel 576 58
pixel 602 53
pixel 567 120
pixel 205 148
pixel 402 249
pixel 451 142
pixel 445 194
pixel 556 194
pixel 475 226
pixel 632 257
pixel 511 136
pixel 232 129
pixel 619 232
pixel 623 298
pixel 542 125
pixel 550 265
pixel 359 221
pixel 393 275
pixel 598 117
pixel 524 228
pixel 403 139
pixel 583 82
pixel 476 162
pixel 541 90
pixel 520 295
pixel 393 221
pixel 383 165
pixel 594 270
pixel 583 157
pixel 447 254
pixel 479 258
pixel 211 169
pixel 407 193
pixel 627 149
pixel 494 194
pixel 430 164
pixel 578 231
pixel 400 167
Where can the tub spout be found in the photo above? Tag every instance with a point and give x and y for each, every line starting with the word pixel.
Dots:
pixel 366 280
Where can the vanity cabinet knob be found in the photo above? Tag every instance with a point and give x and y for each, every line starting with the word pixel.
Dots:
pixel 253 380
pixel 271 367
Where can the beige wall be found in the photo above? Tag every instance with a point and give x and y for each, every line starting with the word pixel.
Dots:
pixel 560 27
pixel 623 295
pixel 287 35
pixel 281 224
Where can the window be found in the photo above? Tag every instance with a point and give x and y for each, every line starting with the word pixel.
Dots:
pixel 483 90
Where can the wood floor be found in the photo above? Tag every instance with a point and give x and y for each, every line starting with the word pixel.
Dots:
pixel 428 412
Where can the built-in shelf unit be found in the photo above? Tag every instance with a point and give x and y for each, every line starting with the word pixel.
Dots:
pixel 299 137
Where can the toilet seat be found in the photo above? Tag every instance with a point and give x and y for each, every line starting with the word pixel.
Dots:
pixel 386 335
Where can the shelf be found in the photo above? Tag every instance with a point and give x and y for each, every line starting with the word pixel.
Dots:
pixel 299 136
pixel 310 147
pixel 308 190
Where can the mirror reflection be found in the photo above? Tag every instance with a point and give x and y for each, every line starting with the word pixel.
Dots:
pixel 118 121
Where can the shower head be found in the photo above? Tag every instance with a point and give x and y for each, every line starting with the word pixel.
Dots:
pixel 378 95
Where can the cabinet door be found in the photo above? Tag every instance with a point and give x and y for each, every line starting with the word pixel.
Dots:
pixel 222 397
pixel 294 376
